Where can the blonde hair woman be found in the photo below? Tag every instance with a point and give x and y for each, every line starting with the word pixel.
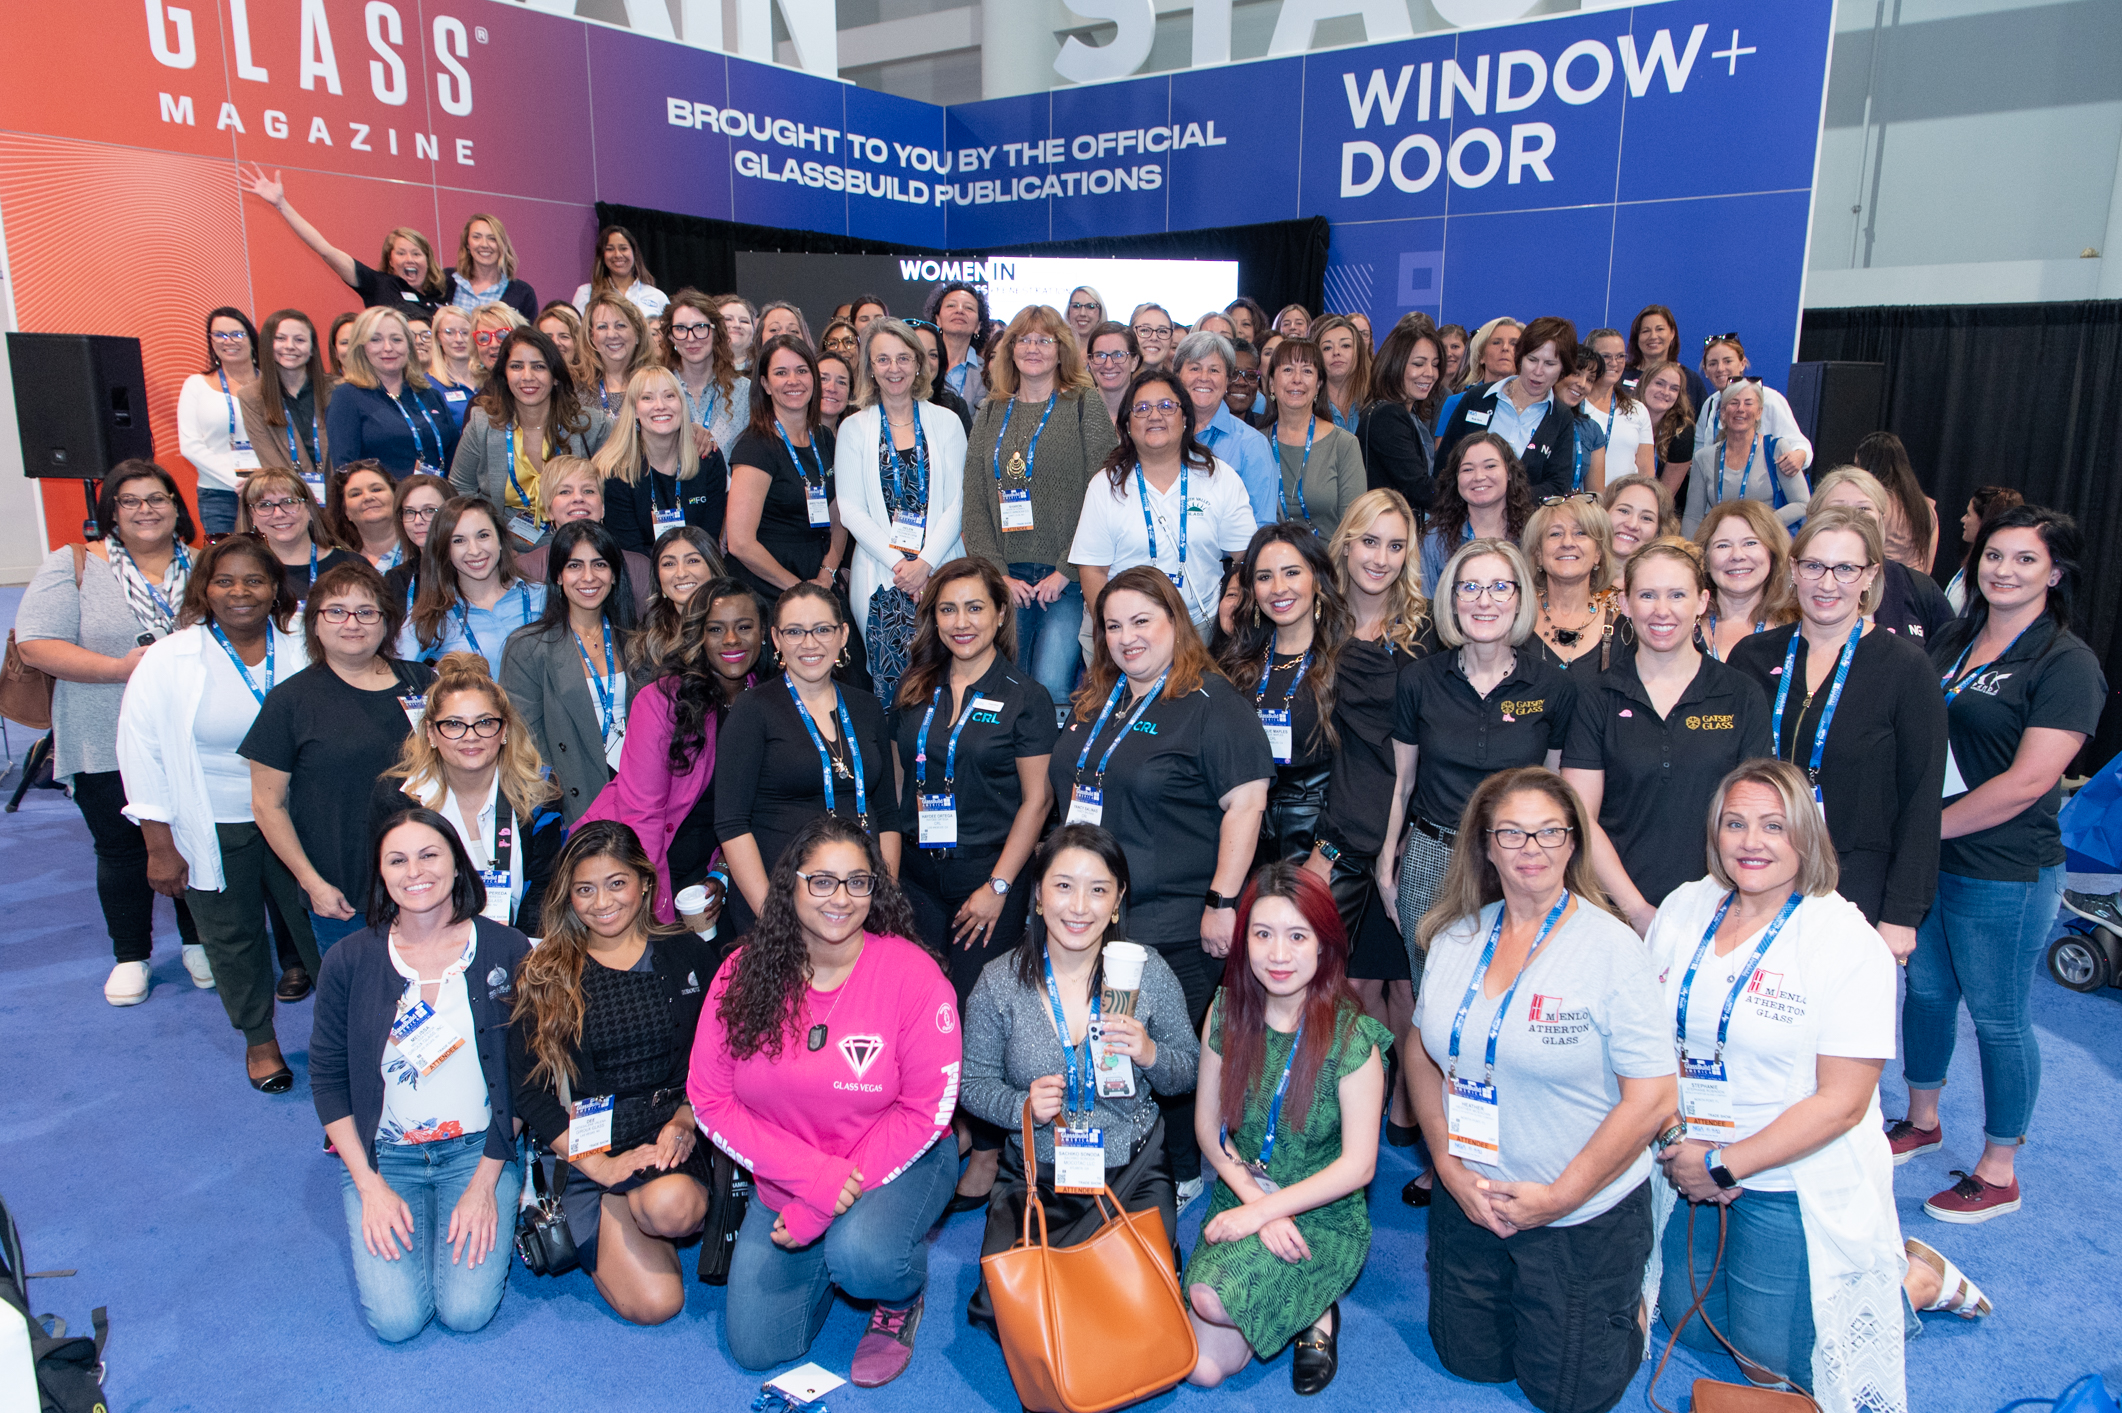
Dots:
pixel 384 408
pixel 450 365
pixel 559 322
pixel 486 268
pixel 473 762
pixel 619 346
pixel 279 509
pixel 491 326
pixel 658 474
pixel 1910 604
pixel 1571 545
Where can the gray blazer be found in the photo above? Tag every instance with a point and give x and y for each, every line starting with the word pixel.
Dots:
pixel 543 678
pixel 480 467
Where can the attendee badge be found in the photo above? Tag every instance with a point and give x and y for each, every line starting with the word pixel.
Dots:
pixel 909 529
pixel 315 481
pixel 821 514
pixel 669 519
pixel 1705 1101
pixel 243 457
pixel 424 1038
pixel 415 704
pixel 1086 805
pixel 1280 739
pixel 1474 1122
pixel 500 894
pixel 589 1126
pixel 524 528
pixel 1955 782
pixel 1017 509
pixel 616 745
pixel 939 821
pixel 1079 1160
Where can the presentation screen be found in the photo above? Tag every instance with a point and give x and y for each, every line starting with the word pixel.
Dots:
pixel 816 284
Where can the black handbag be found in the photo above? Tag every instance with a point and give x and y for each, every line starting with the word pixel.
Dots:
pixel 729 1195
pixel 542 1236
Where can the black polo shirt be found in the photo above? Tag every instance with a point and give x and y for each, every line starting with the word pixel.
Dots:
pixel 1163 789
pixel 2048 678
pixel 1358 793
pixel 381 289
pixel 1911 605
pixel 1011 718
pixel 1660 774
pixel 1463 738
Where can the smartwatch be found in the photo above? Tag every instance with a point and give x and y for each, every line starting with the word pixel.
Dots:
pixel 1218 901
pixel 1718 1173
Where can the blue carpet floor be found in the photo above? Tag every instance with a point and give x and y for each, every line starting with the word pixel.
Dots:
pixel 208 1220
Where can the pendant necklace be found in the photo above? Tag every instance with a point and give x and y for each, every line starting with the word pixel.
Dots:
pixel 816 1039
pixel 1567 637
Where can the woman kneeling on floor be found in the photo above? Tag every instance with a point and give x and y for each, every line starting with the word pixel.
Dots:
pixel 606 1008
pixel 1287 1231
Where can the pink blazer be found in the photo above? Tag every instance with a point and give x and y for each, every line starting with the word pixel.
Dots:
pixel 644 794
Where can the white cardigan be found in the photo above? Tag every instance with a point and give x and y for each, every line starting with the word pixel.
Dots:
pixel 203 436
pixel 861 498
pixel 158 754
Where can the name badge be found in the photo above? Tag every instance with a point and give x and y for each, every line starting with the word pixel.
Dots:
pixel 939 821
pixel 524 528
pixel 615 747
pixel 1017 510
pixel 1478 419
pixel 589 1126
pixel 1086 805
pixel 1705 1101
pixel 1079 1160
pixel 668 519
pixel 1258 1172
pixel 1115 1071
pixel 424 1038
pixel 315 481
pixel 500 894
pixel 908 532
pixel 415 708
pixel 820 513
pixel 242 457
pixel 1280 739
pixel 1473 1121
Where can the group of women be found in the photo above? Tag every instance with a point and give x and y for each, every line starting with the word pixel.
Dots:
pixel 924 713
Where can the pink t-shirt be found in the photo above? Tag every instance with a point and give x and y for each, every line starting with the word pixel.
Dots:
pixel 873 1097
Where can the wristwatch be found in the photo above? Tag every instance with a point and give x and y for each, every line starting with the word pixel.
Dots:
pixel 1220 900
pixel 1718 1173
pixel 1000 885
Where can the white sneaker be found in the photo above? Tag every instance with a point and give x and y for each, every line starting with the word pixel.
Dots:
pixel 1192 1188
pixel 127 985
pixel 196 963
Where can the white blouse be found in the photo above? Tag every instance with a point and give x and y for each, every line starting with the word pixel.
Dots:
pixel 451 1101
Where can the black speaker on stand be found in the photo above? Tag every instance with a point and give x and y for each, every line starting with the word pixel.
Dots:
pixel 80 406
pixel 1837 405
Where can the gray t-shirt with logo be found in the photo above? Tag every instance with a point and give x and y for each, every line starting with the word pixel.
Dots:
pixel 1586 1011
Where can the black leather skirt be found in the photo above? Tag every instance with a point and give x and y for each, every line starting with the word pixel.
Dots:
pixel 1294 801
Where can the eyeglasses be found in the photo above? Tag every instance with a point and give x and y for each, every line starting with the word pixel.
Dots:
pixel 1246 379
pixel 843 344
pixel 691 331
pixel 1153 331
pixel 157 501
pixel 1111 355
pixel 1082 306
pixel 487 338
pixel 419 512
pixel 1565 500
pixel 230 336
pixel 1552 837
pixel 824 885
pixel 339 613
pixel 1162 404
pixel 1469 590
pixel 821 632
pixel 454 728
pixel 1038 341
pixel 283 506
pixel 1814 569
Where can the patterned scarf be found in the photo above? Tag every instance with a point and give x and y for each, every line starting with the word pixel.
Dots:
pixel 154 605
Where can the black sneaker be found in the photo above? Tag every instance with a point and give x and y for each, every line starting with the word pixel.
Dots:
pixel 2104 909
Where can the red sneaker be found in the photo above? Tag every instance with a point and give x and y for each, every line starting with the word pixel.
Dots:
pixel 1907 1140
pixel 1972 1200
pixel 887 1346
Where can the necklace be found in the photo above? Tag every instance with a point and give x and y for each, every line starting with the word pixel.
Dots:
pixel 818 1032
pixel 1568 637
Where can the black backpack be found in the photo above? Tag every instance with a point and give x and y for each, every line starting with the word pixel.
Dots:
pixel 69 1369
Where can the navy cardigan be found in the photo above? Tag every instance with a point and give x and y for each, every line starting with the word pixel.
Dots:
pixel 357 999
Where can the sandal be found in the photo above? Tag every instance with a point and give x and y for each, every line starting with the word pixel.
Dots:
pixel 1957 1295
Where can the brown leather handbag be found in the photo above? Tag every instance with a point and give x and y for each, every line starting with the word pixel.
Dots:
pixel 1094 1326
pixel 1714 1395
pixel 26 692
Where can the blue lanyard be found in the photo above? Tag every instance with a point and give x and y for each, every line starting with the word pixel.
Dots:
pixel 464 618
pixel 950 754
pixel 242 671
pixel 183 561
pixel 419 455
pixel 1473 987
pixel 233 440
pixel 1827 713
pixel 1274 1105
pixel 825 759
pixel 1083 756
pixel 1760 626
pixel 1744 476
pixel 1687 981
pixel 1267 670
pixel 1311 429
pixel 517 486
pixel 1080 1098
pixel 1031 453
pixel 1953 688
pixel 801 469
pixel 1576 480
pixel 397 557
pixel 294 449
pixel 603 685
pixel 1142 492
pixel 884 439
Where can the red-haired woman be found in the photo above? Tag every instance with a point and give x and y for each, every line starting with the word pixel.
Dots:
pixel 1292 1135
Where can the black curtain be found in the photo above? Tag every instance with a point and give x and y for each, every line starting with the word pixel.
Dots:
pixel 1279 262
pixel 2022 395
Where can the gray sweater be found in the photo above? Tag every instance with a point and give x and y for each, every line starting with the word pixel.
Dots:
pixel 1010 1041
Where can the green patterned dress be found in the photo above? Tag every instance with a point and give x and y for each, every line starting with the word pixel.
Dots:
pixel 1273 1300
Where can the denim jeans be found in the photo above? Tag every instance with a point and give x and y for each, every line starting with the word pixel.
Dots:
pixel 1762 1297
pixel 1982 941
pixel 876 1250
pixel 328 930
pixel 217 511
pixel 1047 643
pixel 399 1297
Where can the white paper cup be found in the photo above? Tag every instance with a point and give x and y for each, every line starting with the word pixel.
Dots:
pixel 691 904
pixel 1123 965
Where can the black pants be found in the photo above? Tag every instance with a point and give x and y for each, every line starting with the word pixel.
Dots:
pixel 1199 975
pixel 233 928
pixel 937 885
pixel 121 869
pixel 1553 1308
